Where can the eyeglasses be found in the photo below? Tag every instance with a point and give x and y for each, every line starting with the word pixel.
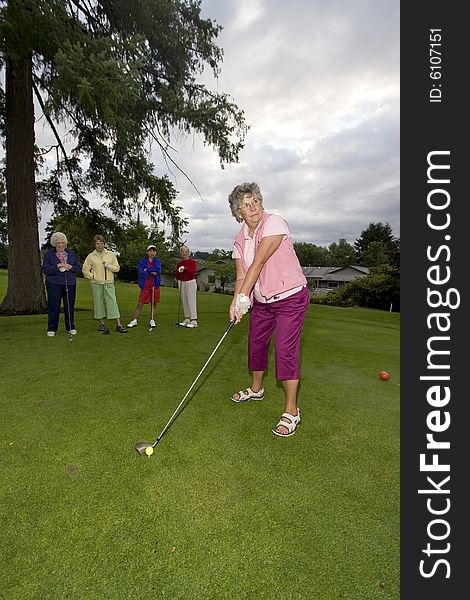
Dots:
pixel 247 205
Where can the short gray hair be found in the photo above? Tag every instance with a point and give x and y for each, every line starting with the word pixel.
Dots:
pixel 235 198
pixel 56 236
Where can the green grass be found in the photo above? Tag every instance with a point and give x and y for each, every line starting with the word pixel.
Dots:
pixel 224 509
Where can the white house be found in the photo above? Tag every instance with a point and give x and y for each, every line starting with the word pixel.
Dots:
pixel 322 280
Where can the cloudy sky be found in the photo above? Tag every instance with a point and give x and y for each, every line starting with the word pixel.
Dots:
pixel 319 84
pixel 318 81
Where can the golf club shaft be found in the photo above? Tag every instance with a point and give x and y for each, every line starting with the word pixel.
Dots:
pixel 173 416
pixel 68 300
pixel 179 301
pixel 104 293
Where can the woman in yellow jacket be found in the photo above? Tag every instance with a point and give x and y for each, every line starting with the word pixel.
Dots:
pixel 99 268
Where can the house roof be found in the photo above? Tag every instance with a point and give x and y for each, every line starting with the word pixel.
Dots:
pixel 200 264
pixel 348 273
pixel 205 264
pixel 315 271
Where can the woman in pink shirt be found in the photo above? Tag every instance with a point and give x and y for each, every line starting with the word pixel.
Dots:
pixel 271 285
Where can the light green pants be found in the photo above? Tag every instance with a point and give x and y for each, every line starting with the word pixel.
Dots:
pixel 104 300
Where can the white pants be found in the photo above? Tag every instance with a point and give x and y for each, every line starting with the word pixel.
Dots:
pixel 188 297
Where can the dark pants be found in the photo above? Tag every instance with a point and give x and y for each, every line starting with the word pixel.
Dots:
pixel 56 294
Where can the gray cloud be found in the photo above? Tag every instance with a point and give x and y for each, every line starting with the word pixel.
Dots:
pixel 319 83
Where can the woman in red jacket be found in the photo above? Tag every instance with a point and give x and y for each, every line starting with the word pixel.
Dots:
pixel 185 272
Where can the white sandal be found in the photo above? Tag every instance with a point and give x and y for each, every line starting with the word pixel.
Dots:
pixel 290 423
pixel 248 394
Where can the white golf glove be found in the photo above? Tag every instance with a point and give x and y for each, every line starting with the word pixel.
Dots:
pixel 106 265
pixel 180 269
pixel 242 303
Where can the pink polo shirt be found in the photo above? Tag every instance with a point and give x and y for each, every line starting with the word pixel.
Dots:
pixel 275 225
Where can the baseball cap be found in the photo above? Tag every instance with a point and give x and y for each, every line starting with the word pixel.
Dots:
pixel 151 246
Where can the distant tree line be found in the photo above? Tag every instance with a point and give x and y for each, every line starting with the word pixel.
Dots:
pixel 377 249
pixel 376 246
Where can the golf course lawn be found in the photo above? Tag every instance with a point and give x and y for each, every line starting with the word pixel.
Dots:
pixel 223 509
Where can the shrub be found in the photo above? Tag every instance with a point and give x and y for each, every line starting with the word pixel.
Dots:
pixel 380 289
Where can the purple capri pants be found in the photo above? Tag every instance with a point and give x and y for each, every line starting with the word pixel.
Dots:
pixel 284 318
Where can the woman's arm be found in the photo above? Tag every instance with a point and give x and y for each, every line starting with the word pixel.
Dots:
pixel 156 271
pixel 177 274
pixel 240 275
pixel 238 284
pixel 111 259
pixel 191 268
pixel 245 283
pixel 87 268
pixel 75 265
pixel 265 250
pixel 47 267
pixel 142 267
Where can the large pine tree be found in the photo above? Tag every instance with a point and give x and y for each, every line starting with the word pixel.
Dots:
pixel 377 245
pixel 109 76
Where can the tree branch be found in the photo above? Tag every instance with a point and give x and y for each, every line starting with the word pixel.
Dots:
pixel 59 142
pixel 166 156
pixel 46 151
pixel 93 20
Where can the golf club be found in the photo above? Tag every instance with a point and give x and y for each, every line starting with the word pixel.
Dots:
pixel 106 331
pixel 70 338
pixel 141 447
pixel 151 326
pixel 177 324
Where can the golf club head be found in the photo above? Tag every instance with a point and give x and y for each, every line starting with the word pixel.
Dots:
pixel 106 332
pixel 141 447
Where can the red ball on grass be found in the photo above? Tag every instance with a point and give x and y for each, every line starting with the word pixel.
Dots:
pixel 384 375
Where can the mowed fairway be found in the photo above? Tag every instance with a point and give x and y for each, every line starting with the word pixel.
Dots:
pixel 223 509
